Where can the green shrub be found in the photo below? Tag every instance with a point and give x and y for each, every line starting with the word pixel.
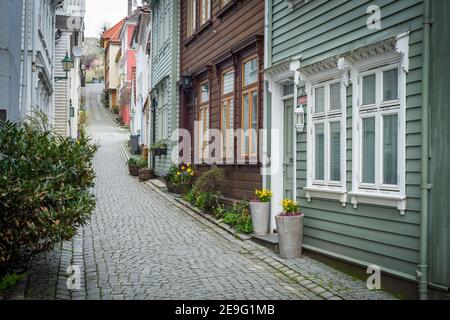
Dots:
pixel 9 281
pixel 237 216
pixel 212 181
pixel 231 218
pixel 220 211
pixel 191 198
pixel 45 183
pixel 115 109
pixel 207 201
pixel 138 162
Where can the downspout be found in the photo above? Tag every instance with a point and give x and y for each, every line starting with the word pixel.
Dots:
pixel 33 56
pixel 24 83
pixel 266 151
pixel 295 67
pixel 422 271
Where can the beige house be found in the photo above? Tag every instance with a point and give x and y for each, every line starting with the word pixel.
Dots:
pixel 110 42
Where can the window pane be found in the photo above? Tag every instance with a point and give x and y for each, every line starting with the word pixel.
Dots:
pixel 369 90
pixel 390 85
pixel 254 121
pixel 319 100
pixel 320 151
pixel 390 149
pixel 224 126
pixel 288 90
pixel 205 92
pixel 335 96
pixel 228 82
pixel 368 151
pixel 245 122
pixel 335 151
pixel 250 72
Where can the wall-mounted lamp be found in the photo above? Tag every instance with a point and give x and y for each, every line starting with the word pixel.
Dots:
pixel 67 64
pixel 186 82
pixel 300 112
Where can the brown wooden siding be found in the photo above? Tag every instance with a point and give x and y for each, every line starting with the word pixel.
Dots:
pixel 232 35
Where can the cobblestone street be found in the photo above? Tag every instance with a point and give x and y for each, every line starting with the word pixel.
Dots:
pixel 140 245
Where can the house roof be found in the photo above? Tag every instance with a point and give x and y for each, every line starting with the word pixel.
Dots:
pixel 113 33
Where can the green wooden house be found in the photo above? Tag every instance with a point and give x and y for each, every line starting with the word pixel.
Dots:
pixel 357 100
pixel 165 74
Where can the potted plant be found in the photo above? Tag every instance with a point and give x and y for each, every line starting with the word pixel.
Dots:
pixel 133 166
pixel 184 177
pixel 159 148
pixel 290 230
pixel 171 178
pixel 260 211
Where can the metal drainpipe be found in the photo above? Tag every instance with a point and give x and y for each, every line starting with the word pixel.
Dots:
pixel 25 64
pixel 422 272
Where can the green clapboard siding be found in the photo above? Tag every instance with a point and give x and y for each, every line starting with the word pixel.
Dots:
pixel 322 29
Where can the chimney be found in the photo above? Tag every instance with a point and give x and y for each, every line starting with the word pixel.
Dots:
pixel 130 7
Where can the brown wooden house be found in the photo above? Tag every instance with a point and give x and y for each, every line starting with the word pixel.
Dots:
pixel 221 86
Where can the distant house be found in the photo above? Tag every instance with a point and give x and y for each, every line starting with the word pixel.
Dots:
pixel 110 42
pixel 140 116
pixel 126 57
pixel 165 74
pixel 359 163
pixel 69 30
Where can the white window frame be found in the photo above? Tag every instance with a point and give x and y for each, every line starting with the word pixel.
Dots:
pixel 326 189
pixel 378 193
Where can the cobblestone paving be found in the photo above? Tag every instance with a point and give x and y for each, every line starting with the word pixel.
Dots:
pixel 141 245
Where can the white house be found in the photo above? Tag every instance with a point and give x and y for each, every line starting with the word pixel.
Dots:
pixel 140 116
pixel 69 38
pixel 38 56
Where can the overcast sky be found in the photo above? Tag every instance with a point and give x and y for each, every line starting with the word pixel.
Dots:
pixel 99 12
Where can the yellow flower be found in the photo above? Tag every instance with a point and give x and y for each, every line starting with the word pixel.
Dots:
pixel 192 173
pixel 189 170
pixel 183 168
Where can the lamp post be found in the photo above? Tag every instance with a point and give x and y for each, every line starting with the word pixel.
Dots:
pixel 67 64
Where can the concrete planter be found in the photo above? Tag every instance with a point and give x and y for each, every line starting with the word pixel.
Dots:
pixel 260 217
pixel 290 236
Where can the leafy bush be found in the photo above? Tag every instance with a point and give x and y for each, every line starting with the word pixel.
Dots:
pixel 137 162
pixel 115 109
pixel 45 182
pixel 191 198
pixel 9 281
pixel 207 201
pixel 212 181
pixel 237 216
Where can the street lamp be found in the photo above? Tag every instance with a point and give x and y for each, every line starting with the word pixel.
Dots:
pixel 67 64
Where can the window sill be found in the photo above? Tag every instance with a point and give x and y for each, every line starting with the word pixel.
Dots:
pixel 226 9
pixel 326 193
pixel 204 27
pixel 387 200
pixel 190 39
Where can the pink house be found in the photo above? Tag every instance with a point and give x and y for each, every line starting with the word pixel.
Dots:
pixel 126 58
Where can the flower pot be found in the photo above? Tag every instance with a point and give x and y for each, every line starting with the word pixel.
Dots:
pixel 290 236
pixel 260 217
pixel 172 187
pixel 134 170
pixel 185 188
pixel 146 174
